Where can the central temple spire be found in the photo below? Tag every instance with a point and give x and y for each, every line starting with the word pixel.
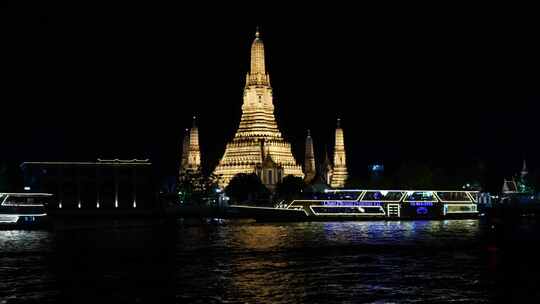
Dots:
pixel 258 137
pixel 257 72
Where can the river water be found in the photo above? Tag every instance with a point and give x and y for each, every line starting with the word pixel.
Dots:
pixel 246 262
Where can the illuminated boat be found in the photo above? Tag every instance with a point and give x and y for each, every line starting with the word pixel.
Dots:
pixel 24 210
pixel 373 204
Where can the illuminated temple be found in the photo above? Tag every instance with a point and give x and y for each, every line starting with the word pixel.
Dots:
pixel 258 146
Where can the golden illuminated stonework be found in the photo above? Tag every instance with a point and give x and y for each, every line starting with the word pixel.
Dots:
pixel 339 171
pixel 258 146
pixel 191 153
pixel 309 161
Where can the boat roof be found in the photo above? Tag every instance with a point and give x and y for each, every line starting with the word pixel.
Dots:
pixel 26 194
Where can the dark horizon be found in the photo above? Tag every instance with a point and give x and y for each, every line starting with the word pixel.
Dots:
pixel 450 89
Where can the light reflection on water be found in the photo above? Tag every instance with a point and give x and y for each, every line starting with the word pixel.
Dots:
pixel 391 261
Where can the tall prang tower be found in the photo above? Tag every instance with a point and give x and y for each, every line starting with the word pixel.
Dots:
pixel 309 162
pixel 258 146
pixel 339 173
pixel 191 153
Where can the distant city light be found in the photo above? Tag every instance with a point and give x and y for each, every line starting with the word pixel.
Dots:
pixel 26 188
pixel 377 168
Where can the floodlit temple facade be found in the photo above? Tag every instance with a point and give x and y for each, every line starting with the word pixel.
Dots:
pixel 258 146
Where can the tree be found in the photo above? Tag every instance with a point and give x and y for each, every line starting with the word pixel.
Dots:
pixel 290 186
pixel 243 187
pixel 194 186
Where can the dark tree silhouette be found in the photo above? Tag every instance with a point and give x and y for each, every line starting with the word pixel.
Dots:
pixel 244 187
pixel 194 186
pixel 290 187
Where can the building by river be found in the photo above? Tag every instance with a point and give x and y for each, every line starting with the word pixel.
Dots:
pixel 101 185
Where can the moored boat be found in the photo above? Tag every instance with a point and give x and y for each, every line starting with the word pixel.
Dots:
pixel 371 205
pixel 23 210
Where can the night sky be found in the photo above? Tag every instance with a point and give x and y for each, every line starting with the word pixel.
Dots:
pixel 445 86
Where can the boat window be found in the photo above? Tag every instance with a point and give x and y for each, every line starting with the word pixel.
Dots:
pixel 383 196
pixel 21 200
pixel 420 196
pixel 460 208
pixel 453 196
pixel 341 195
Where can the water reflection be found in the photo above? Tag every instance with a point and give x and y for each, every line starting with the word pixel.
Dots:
pixel 391 261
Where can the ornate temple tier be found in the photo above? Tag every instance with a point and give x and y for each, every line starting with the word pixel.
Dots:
pixel 258 146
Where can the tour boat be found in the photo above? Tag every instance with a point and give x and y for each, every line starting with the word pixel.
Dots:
pixel 23 210
pixel 370 205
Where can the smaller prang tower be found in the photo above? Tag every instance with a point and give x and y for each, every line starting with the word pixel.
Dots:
pixel 339 173
pixel 191 153
pixel 309 162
